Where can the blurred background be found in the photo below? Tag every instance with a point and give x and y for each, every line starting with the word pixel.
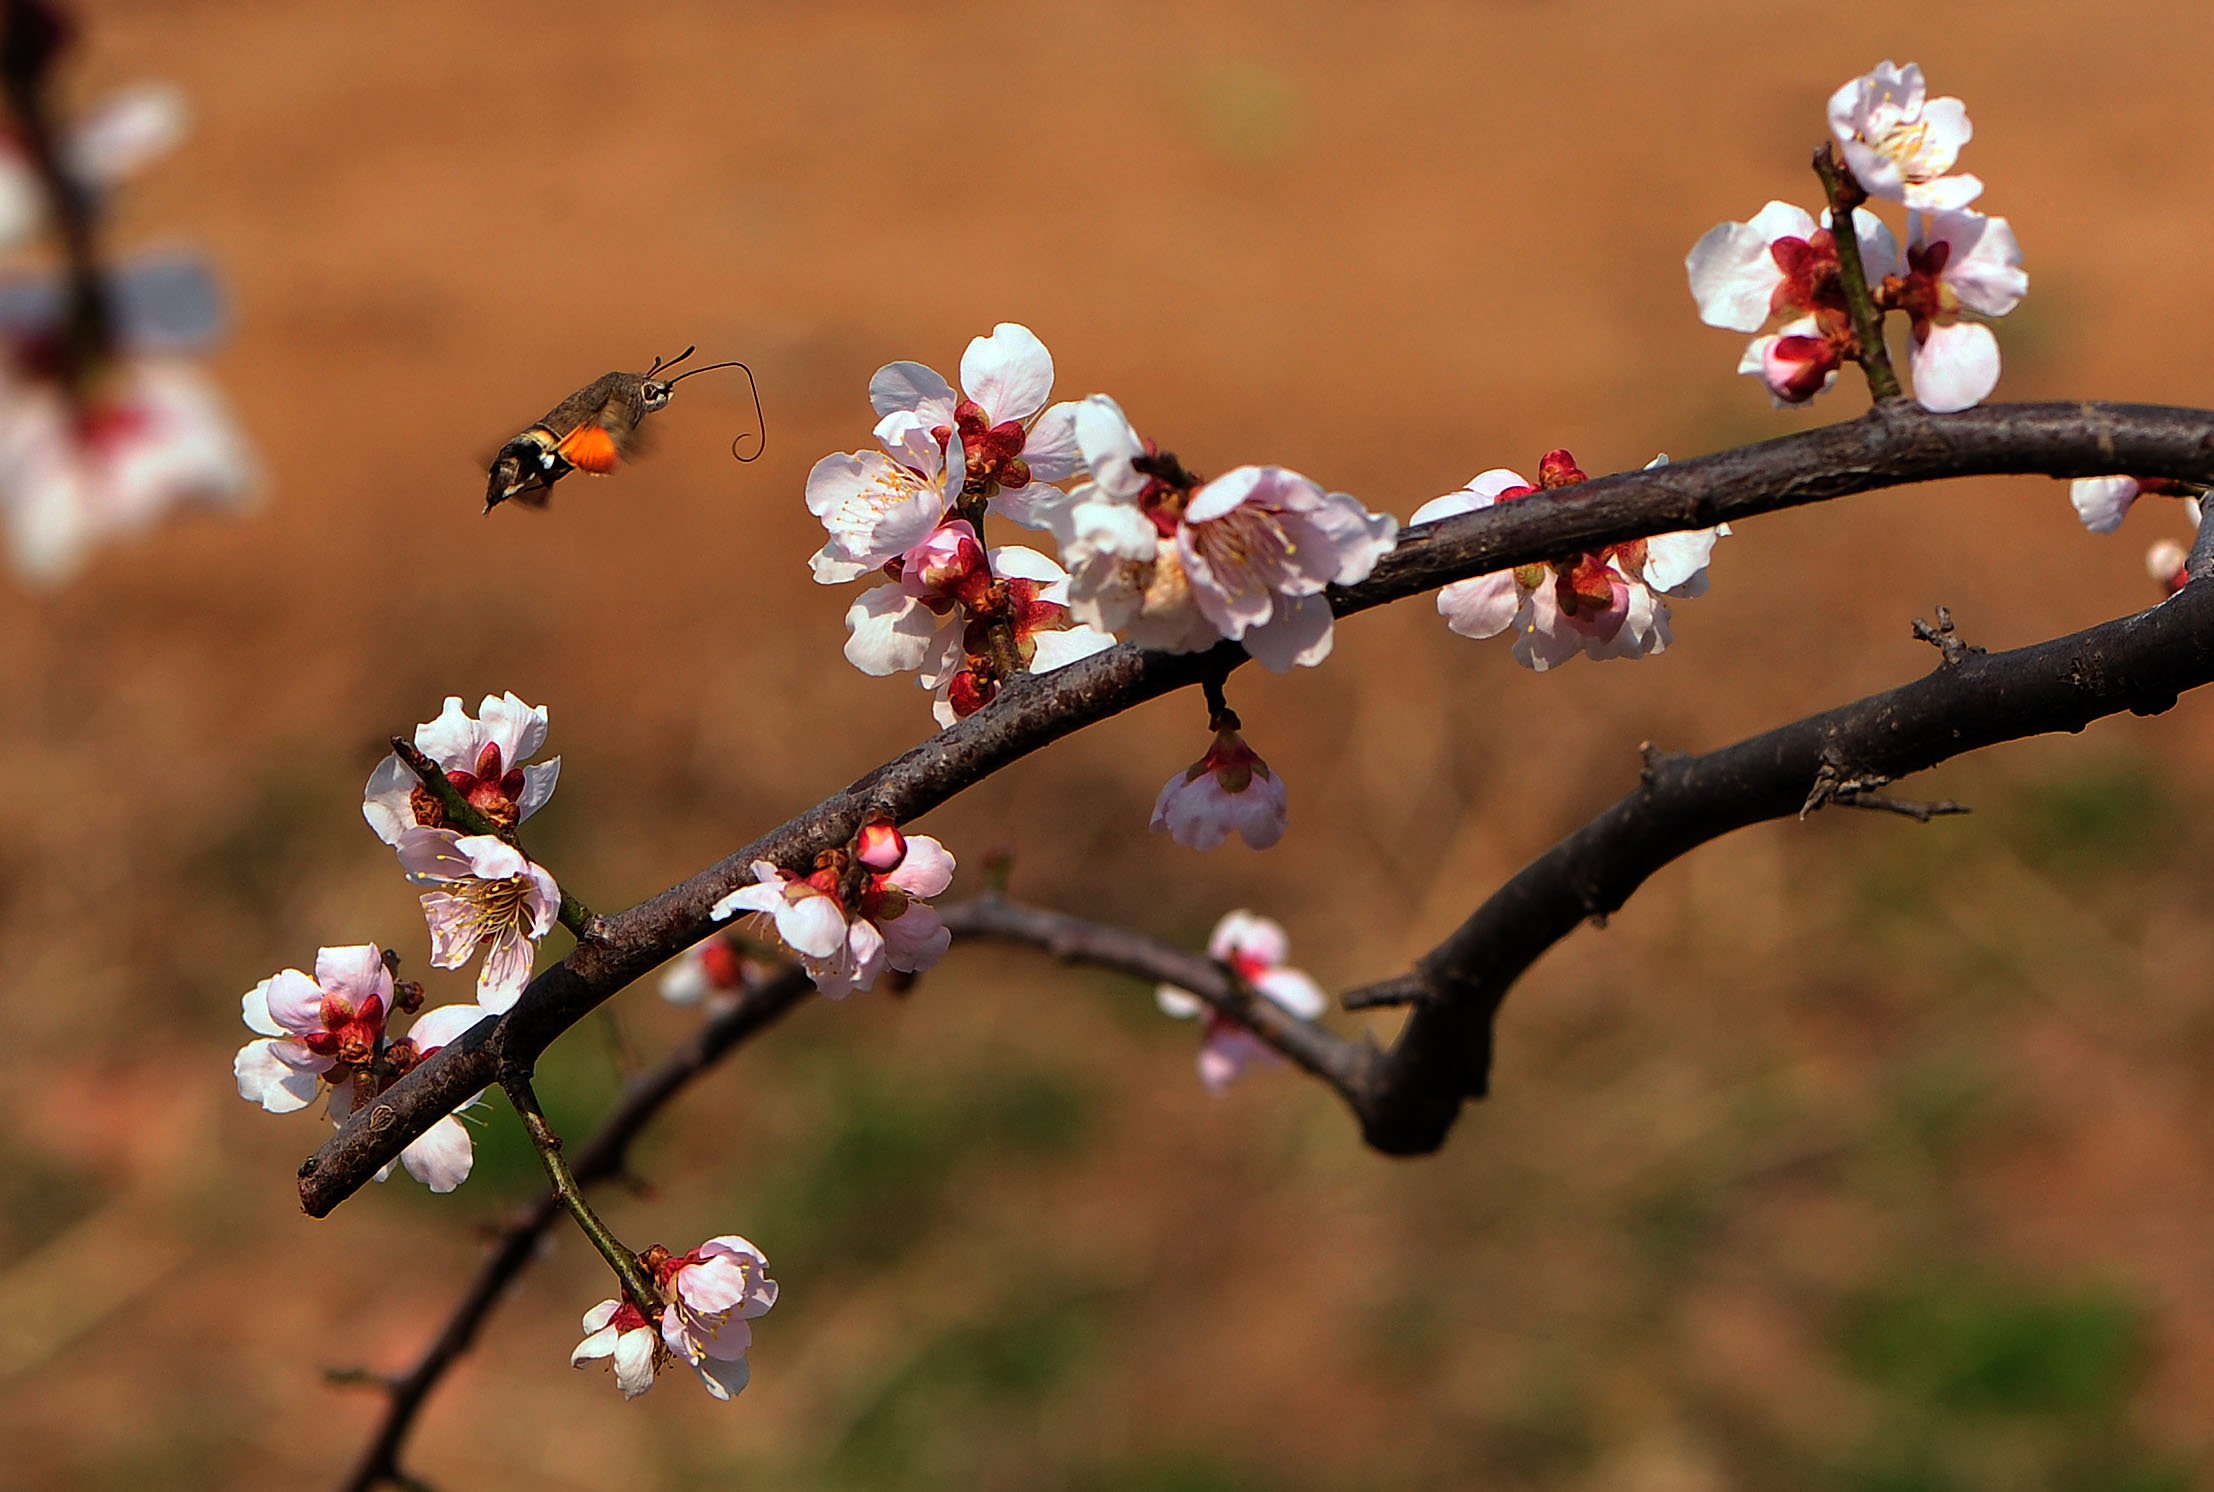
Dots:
pixel 1852 1154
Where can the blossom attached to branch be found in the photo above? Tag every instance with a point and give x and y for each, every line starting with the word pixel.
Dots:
pixel 1255 949
pixel 1014 448
pixel 484 894
pixel 713 972
pixel 483 758
pixel 713 1294
pixel 1228 791
pixel 1605 604
pixel 1901 143
pixel 327 1032
pixel 1781 264
pixel 1955 262
pixel 864 909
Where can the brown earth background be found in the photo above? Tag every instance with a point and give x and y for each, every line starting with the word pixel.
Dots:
pixel 1853 1154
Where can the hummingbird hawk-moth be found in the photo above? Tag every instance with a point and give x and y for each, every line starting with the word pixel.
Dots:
pixel 592 430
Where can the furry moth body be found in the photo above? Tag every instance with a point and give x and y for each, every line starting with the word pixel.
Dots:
pixel 592 430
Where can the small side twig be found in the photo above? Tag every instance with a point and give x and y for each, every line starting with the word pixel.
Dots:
pixel 567 1191
pixel 1921 813
pixel 1943 637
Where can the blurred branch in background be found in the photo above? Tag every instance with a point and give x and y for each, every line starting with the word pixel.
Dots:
pixel 105 423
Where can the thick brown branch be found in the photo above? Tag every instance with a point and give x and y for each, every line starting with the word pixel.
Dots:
pixel 1443 1054
pixel 1890 445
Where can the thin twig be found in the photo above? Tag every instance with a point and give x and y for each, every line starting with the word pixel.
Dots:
pixel 1882 449
pixel 1845 195
pixel 599 1158
pixel 637 1283
pixel 1921 813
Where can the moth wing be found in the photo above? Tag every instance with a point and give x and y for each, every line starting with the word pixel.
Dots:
pixel 590 447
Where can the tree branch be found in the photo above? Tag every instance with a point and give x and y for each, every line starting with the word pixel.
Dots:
pixel 1892 444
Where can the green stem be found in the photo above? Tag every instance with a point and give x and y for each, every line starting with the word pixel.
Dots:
pixel 463 815
pixel 1844 195
pixel 637 1284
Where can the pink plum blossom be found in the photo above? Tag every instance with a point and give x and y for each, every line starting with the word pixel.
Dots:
pixel 315 1030
pixel 854 918
pixel 1255 949
pixel 328 1031
pixel 1014 447
pixel 1900 143
pixel 1259 544
pixel 129 131
pixel 153 434
pixel 877 507
pixel 1228 791
pixel 2165 562
pixel 1781 264
pixel 714 971
pixel 1607 604
pixel 1955 262
pixel 619 1331
pixel 712 1294
pixel 483 758
pixel 484 894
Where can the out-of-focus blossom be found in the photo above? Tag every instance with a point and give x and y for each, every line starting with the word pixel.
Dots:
pixel 1014 448
pixel 1255 947
pixel 129 131
pixel 714 971
pixel 1606 604
pixel 1228 791
pixel 2165 562
pixel 483 759
pixel 151 434
pixel 484 894
pixel 1955 262
pixel 853 918
pixel 1900 143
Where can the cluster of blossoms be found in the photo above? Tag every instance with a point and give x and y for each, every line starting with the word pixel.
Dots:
pixel 1255 949
pixel 326 1032
pixel 713 1294
pixel 105 424
pixel 1608 604
pixel 862 911
pixel 1899 145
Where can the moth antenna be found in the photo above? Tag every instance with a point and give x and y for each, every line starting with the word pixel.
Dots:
pixel 659 366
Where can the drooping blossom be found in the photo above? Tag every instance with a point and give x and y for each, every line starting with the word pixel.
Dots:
pixel 1255 947
pixel 1607 604
pixel 1014 447
pixel 714 971
pixel 1955 262
pixel 483 759
pixel 327 1032
pixel 1900 143
pixel 1228 791
pixel 1781 264
pixel 861 911
pixel 483 894
pixel 2166 563
pixel 147 435
pixel 712 1294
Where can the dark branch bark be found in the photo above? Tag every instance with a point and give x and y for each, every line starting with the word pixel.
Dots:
pixel 1438 1055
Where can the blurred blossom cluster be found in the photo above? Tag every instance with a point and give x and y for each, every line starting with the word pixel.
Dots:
pixel 106 419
